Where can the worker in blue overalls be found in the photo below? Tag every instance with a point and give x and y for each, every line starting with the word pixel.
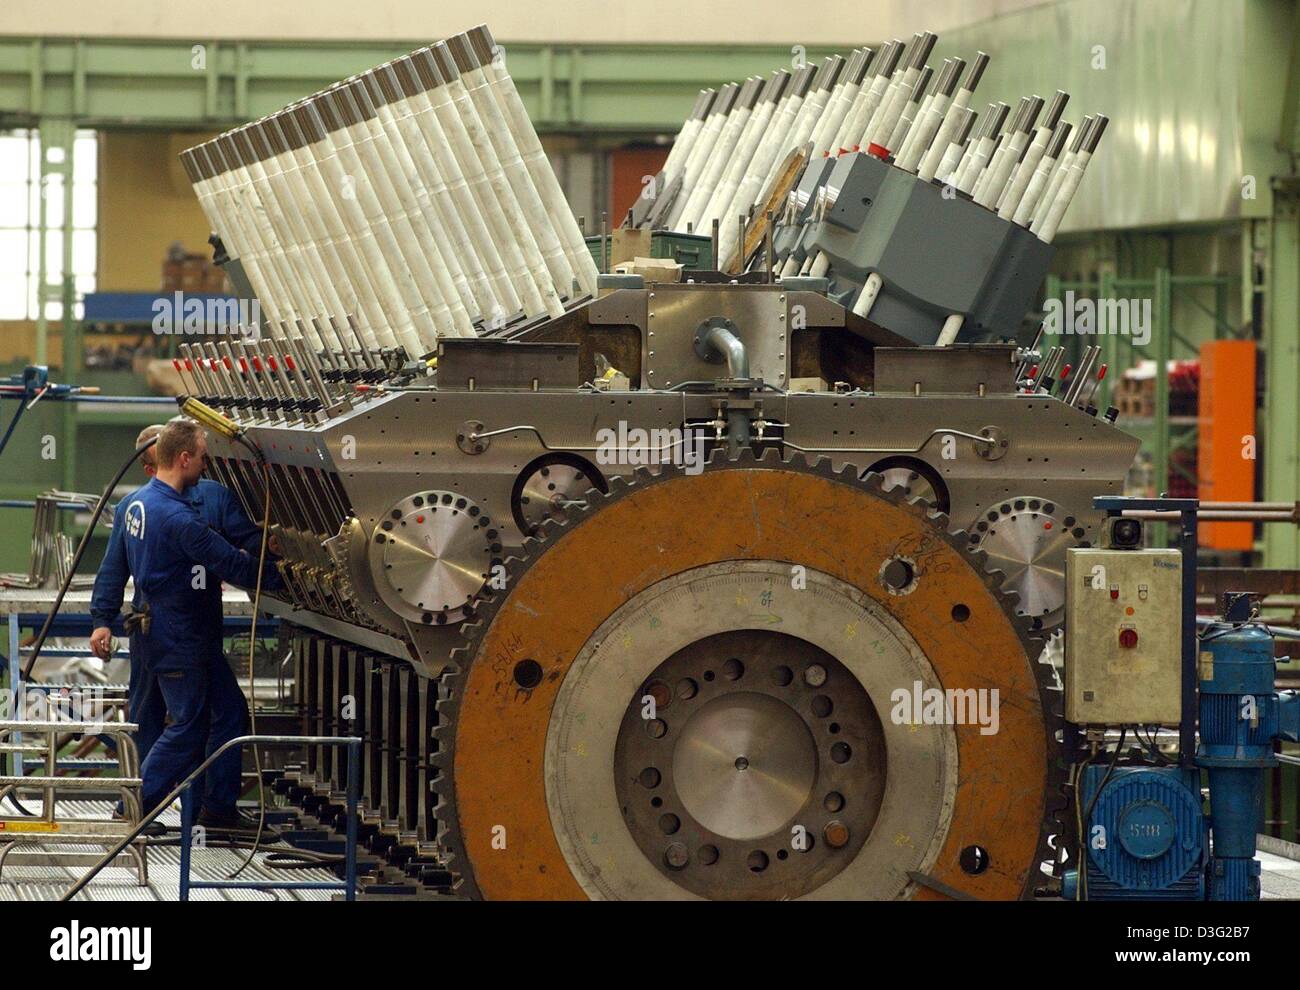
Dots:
pixel 220 510
pixel 177 560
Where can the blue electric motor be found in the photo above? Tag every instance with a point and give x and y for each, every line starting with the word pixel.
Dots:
pixel 1147 837
pixel 1240 716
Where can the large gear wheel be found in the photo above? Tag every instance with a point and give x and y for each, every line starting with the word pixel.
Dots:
pixel 721 684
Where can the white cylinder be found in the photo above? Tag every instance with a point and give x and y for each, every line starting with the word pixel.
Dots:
pixel 1069 186
pixel 1024 173
pixel 951 327
pixel 933 155
pixel 867 299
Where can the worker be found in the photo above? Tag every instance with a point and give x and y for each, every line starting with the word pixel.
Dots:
pixel 220 510
pixel 179 562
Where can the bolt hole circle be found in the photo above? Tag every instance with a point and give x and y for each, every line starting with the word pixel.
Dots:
pixel 974 860
pixel 528 674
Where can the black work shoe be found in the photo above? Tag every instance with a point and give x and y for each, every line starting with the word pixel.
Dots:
pixel 153 830
pixel 235 823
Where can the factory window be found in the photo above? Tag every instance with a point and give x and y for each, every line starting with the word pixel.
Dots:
pixel 20 218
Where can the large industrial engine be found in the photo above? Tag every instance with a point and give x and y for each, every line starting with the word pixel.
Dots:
pixel 734 586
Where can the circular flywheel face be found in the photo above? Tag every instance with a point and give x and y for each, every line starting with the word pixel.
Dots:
pixel 718 686
pixel 737 755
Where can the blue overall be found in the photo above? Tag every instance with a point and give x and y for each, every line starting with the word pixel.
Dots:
pixel 219 509
pixel 178 563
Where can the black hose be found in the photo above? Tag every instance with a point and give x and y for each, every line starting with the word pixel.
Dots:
pixel 18 414
pixel 81 552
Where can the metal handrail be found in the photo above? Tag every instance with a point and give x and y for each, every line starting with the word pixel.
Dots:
pixel 352 742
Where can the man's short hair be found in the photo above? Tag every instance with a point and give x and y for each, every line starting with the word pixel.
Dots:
pixel 150 456
pixel 178 437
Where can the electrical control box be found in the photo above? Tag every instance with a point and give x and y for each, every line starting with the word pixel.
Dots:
pixel 1123 637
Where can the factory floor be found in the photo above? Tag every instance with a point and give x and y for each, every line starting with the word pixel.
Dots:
pixel 31 882
pixel 1279 869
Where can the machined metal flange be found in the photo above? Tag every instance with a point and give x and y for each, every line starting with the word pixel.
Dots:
pixel 531 772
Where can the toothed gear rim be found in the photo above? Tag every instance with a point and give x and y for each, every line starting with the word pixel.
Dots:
pixel 1010 788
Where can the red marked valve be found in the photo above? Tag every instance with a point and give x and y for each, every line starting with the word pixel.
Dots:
pixel 1128 638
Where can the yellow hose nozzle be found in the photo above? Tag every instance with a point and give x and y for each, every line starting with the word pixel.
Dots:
pixel 209 417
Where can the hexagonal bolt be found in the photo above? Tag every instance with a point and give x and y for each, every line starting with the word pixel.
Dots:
pixel 836 834
pixel 675 856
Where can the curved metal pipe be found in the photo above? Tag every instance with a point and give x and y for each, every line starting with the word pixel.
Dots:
pixel 731 347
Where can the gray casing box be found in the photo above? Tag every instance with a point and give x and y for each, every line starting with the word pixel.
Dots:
pixel 937 254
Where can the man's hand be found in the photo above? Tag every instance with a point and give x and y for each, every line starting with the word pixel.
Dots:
pixel 101 642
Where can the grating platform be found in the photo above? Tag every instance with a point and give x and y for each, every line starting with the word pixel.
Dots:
pixel 116 883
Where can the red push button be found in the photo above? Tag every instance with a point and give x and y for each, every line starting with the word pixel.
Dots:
pixel 1128 638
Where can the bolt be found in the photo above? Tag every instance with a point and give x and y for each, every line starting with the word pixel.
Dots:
pixel 815 676
pixel 676 856
pixel 657 728
pixel 836 834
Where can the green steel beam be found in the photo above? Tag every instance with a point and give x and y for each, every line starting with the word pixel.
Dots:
pixel 101 82
pixel 1288 138
pixel 1163 338
pixel 1282 368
